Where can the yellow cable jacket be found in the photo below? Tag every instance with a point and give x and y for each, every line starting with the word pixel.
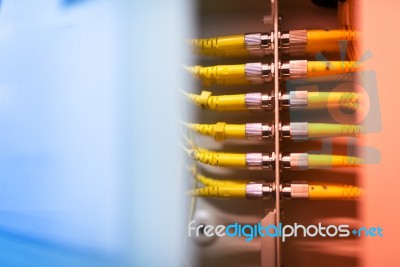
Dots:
pixel 321 68
pixel 320 130
pixel 221 74
pixel 318 36
pixel 344 100
pixel 219 159
pixel 227 191
pixel 215 43
pixel 215 182
pixel 334 191
pixel 220 46
pixel 222 102
pixel 316 161
pixel 220 131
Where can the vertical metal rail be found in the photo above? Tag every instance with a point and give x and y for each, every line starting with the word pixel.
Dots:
pixel 277 121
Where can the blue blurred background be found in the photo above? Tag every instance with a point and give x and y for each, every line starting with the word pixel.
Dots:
pixel 89 162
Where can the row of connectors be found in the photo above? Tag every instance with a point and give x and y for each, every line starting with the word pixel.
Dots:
pixel 256 131
pixel 266 161
pixel 295 100
pixel 296 42
pixel 261 44
pixel 261 73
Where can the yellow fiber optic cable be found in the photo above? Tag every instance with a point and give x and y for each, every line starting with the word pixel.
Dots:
pixel 220 46
pixel 320 68
pixel 334 191
pixel 259 73
pixel 219 43
pixel 305 161
pixel 220 131
pixel 293 100
pixel 294 42
pixel 297 130
pixel 333 36
pixel 316 161
pixel 223 102
pixel 220 74
pixel 219 159
pixel 345 100
pixel 292 190
pixel 293 161
pixel 226 191
pixel 319 130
